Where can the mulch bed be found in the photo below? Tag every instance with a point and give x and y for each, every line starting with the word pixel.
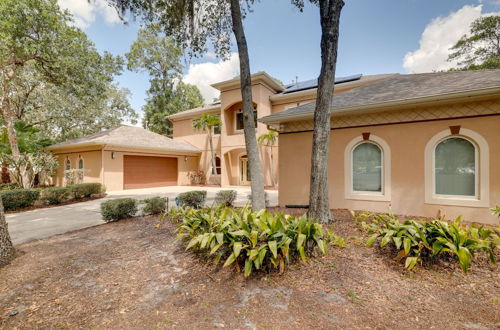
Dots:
pixel 46 206
pixel 133 274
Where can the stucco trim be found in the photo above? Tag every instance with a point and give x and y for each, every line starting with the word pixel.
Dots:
pixel 483 198
pixel 385 196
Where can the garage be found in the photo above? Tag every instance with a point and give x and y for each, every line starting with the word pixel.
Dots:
pixel 148 172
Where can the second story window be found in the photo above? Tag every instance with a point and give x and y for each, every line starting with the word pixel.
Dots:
pixel 216 130
pixel 239 119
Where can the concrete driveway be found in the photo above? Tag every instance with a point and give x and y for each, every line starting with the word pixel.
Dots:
pixel 42 223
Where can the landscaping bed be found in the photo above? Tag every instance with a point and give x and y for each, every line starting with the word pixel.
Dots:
pixel 133 274
pixel 71 201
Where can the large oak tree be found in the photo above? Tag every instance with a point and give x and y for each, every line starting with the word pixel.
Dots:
pixel 196 25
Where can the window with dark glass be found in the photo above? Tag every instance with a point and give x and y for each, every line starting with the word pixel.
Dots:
pixel 239 119
pixel 217 169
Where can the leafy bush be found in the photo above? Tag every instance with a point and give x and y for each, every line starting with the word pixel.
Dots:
pixel 83 190
pixel 225 197
pixel 496 210
pixel 55 195
pixel 18 199
pixel 195 198
pixel 251 240
pixel 117 209
pixel 9 186
pixel 155 205
pixel 197 177
pixel 418 241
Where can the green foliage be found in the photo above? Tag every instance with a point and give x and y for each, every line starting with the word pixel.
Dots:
pixel 225 197
pixel 480 48
pixel 206 122
pixel 418 241
pixel 53 75
pixel 9 186
pixel 251 240
pixel 155 205
pixel 18 199
pixel 195 198
pixel 40 163
pixel 83 190
pixel 117 209
pixel 160 57
pixel 268 139
pixel 495 210
pixel 55 195
pixel 30 139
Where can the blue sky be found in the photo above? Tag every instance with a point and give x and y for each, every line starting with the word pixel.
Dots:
pixel 375 37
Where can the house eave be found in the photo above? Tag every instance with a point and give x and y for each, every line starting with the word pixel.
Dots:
pixel 458 96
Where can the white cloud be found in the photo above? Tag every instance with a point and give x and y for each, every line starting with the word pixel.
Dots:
pixel 204 74
pixel 85 12
pixel 437 39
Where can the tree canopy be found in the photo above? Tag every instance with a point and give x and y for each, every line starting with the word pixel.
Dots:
pixel 480 49
pixel 159 56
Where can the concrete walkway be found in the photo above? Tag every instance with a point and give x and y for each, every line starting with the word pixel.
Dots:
pixel 42 223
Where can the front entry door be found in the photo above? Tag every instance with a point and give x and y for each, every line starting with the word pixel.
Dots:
pixel 244 171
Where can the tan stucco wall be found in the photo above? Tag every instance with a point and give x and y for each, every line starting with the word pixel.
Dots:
pixel 91 164
pixel 407 143
pixel 113 168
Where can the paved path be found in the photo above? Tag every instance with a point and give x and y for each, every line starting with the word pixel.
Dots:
pixel 42 223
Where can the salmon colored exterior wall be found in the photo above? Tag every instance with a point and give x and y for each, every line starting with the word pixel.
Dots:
pixel 91 163
pixel 407 143
pixel 101 167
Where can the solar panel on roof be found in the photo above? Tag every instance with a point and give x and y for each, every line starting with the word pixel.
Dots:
pixel 308 84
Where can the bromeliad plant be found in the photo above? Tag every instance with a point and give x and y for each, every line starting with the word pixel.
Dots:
pixel 252 240
pixel 417 241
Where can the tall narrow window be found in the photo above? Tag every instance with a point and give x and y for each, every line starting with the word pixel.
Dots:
pixel 367 168
pixel 217 169
pixel 67 166
pixel 80 163
pixel 239 119
pixel 455 167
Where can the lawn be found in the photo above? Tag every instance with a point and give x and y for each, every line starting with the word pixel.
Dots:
pixel 133 274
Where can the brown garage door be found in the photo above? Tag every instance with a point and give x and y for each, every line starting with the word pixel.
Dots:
pixel 146 172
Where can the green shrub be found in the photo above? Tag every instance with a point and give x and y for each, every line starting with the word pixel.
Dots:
pixel 55 195
pixel 9 186
pixel 83 190
pixel 225 197
pixel 195 198
pixel 117 209
pixel 252 240
pixel 418 241
pixel 496 210
pixel 18 199
pixel 155 205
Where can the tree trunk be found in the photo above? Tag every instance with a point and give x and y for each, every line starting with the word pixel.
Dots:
pixel 214 171
pixel 257 177
pixel 319 205
pixel 273 179
pixel 7 251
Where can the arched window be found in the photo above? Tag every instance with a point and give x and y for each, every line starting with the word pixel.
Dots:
pixel 367 168
pixel 80 163
pixel 455 161
pixel 217 169
pixel 67 165
pixel 457 169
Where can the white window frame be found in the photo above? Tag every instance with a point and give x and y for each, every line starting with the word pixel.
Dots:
pixel 385 194
pixel 481 198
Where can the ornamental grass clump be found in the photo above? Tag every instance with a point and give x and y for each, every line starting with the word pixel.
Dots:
pixel 251 240
pixel 419 241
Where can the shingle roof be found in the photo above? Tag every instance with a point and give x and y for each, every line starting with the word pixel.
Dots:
pixel 129 136
pixel 199 110
pixel 399 88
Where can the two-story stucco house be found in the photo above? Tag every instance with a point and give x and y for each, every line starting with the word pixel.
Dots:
pixel 269 97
